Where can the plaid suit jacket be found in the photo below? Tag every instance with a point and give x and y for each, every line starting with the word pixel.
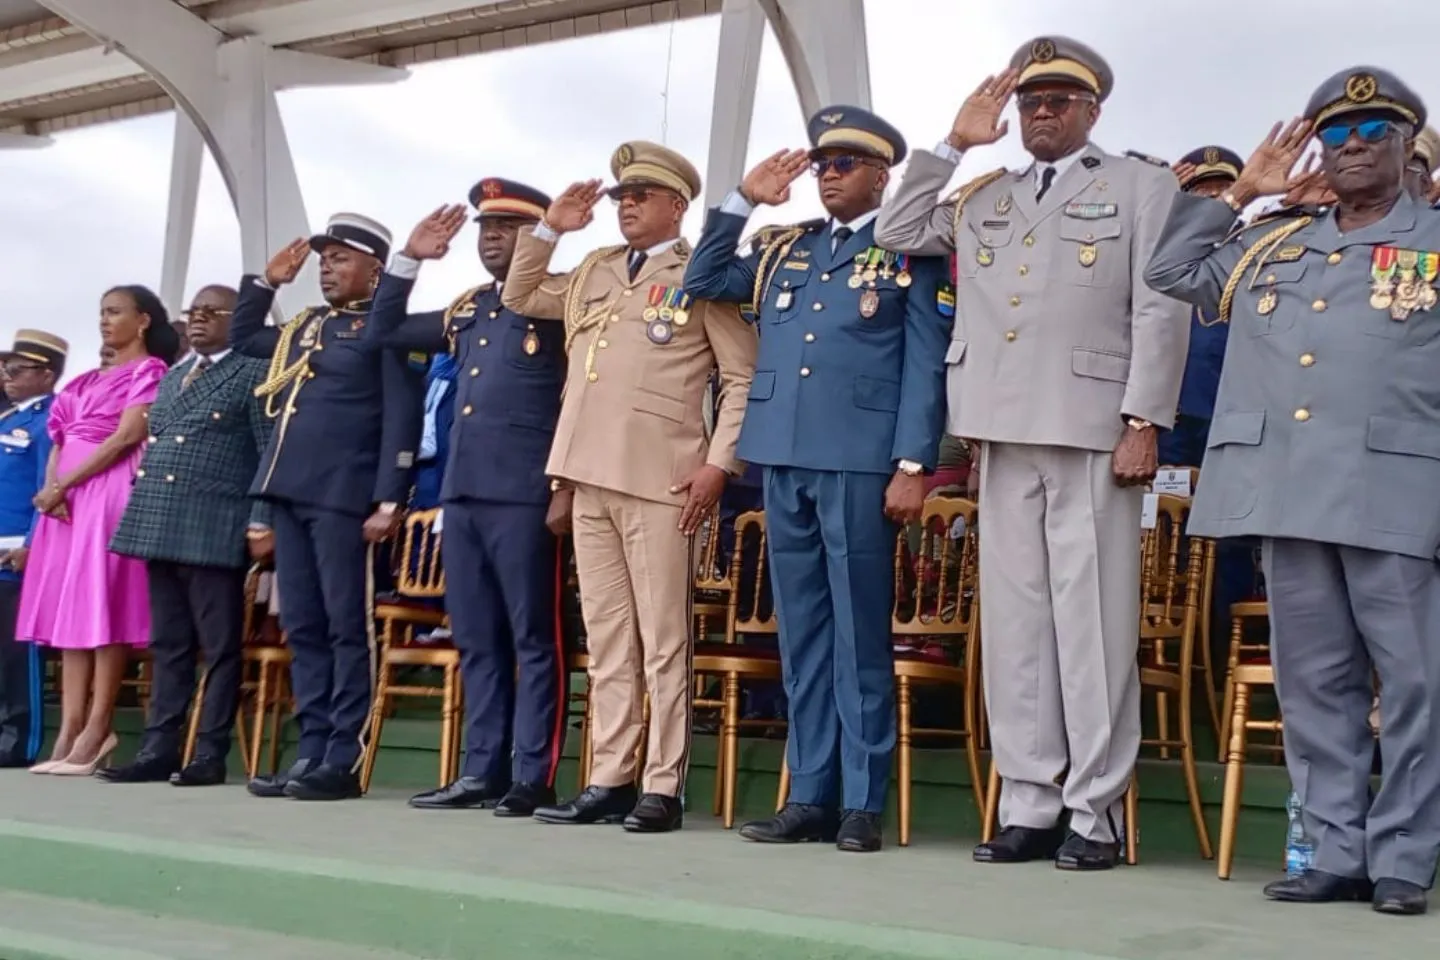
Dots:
pixel 191 503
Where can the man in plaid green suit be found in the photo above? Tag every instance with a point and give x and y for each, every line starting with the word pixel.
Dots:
pixel 187 518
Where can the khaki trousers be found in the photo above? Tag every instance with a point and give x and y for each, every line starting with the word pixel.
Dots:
pixel 636 593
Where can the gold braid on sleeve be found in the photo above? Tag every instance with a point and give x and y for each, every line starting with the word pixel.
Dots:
pixel 1256 254
pixel 575 321
pixel 962 196
pixel 281 374
pixel 775 247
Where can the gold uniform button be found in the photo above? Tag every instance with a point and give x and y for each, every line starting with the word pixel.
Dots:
pixel 804 371
pixel 809 338
pixel 467 410
pixel 1269 278
pixel 629 293
pixel 1014 301
pixel 484 342
pixel 1029 241
pixel 603 344
pixel 614 318
pixel 1302 414
pixel 1334 258
pixel 592 376
pixel 1318 306
pixel 1010 336
pixel 824 277
pixel 817 307
pixel 474 371
pixel 1307 359
pixel 1024 270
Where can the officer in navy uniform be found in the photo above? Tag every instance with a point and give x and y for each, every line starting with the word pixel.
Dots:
pixel 500 546
pixel 348 416
pixel 31 368
pixel 845 414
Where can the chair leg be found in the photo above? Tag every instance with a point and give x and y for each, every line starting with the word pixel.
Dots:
pixel 1234 781
pixel 972 749
pixel 903 705
pixel 242 733
pixel 448 731
pixel 1132 822
pixel 278 699
pixel 192 732
pixel 730 746
pixel 782 795
pixel 1187 763
pixel 257 735
pixel 991 820
pixel 456 733
pixel 1237 637
pixel 377 723
pixel 587 752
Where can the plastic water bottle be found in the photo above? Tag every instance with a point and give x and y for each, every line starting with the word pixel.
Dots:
pixel 1299 851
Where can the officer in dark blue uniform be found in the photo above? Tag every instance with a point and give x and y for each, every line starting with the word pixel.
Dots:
pixel 500 550
pixel 845 415
pixel 30 371
pixel 338 468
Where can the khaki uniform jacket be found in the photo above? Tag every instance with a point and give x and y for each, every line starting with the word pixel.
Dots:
pixel 1057 337
pixel 632 419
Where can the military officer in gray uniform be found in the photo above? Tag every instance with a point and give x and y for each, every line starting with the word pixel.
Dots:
pixel 1062 364
pixel 1326 443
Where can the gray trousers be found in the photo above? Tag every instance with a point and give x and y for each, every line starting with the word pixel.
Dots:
pixel 1336 612
pixel 1059 634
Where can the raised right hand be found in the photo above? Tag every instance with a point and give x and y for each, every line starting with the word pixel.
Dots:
pixel 285 265
pixel 575 208
pixel 1267 172
pixel 430 240
pixel 978 121
pixel 769 183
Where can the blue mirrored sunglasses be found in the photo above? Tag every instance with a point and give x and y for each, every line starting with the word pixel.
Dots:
pixel 1371 131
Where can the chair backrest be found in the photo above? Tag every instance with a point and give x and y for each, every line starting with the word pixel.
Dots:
pixel 1176 572
pixel 419 572
pixel 936 572
pixel 752 603
pixel 710 572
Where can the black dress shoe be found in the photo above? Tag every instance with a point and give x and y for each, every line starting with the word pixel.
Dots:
pixel 795 823
pixel 655 813
pixel 1078 853
pixel 467 793
pixel 1400 897
pixel 524 799
pixel 859 832
pixel 145 769
pixel 594 805
pixel 200 772
pixel 1314 886
pixel 272 787
pixel 1021 845
pixel 325 783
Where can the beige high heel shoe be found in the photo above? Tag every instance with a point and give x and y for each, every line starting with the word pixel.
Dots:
pixel 48 766
pixel 68 769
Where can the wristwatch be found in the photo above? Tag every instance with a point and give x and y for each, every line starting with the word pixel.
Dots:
pixel 1229 198
pixel 1135 423
pixel 388 508
pixel 910 468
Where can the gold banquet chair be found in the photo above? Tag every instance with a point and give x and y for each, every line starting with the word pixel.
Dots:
pixel 1249 667
pixel 420 575
pixel 937 604
pixel 1203 659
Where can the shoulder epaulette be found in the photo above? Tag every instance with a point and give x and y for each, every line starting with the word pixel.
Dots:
pixel 575 321
pixel 1146 158
pixel 767 235
pixel 1274 217
pixel 1257 253
pixel 464 305
pixel 962 196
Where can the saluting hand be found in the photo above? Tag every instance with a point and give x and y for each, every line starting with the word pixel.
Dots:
pixel 1309 187
pixel 285 265
pixel 1183 171
pixel 1267 172
pixel 574 208
pixel 703 487
pixel 430 240
pixel 978 121
pixel 769 183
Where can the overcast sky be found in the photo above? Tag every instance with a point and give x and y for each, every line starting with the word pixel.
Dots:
pixel 89 211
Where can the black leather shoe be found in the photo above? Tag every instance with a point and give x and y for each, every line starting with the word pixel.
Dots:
pixel 594 805
pixel 1078 853
pixel 655 813
pixel 272 787
pixel 200 772
pixel 325 783
pixel 1400 897
pixel 859 832
pixel 1021 845
pixel 795 823
pixel 524 799
pixel 467 793
pixel 1314 886
pixel 145 769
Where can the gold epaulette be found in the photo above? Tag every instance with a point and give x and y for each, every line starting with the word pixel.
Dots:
pixel 962 196
pixel 281 371
pixel 461 308
pixel 574 320
pixel 1260 219
pixel 773 244
pixel 1256 254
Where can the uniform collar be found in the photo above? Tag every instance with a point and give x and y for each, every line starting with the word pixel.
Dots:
pixel 215 357
pixel 654 251
pixel 1062 166
pixel 856 225
pixel 32 403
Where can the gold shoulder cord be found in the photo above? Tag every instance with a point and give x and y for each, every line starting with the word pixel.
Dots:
pixel 575 292
pixel 1256 254
pixel 963 195
pixel 463 308
pixel 282 375
pixel 776 246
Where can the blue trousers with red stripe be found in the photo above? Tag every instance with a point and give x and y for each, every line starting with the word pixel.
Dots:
pixel 502 579
pixel 21 711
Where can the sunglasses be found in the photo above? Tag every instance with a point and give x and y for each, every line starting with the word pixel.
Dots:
pixel 197 312
pixel 1370 131
pixel 842 164
pixel 16 369
pixel 636 195
pixel 1054 102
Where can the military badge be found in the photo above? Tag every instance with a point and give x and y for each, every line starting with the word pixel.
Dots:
pixel 1003 205
pixel 1088 254
pixel 783 301
pixel 1289 254
pixel 830 119
pixel 1266 304
pixel 1361 88
pixel 659 332
pixel 1091 211
pixel 869 304
pixel 1212 156
pixel 795 265
pixel 623 155
pixel 491 189
pixel 358 323
pixel 1042 51
pixel 984 256
pixel 945 301
pixel 531 343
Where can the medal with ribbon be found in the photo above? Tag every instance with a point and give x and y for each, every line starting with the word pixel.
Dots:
pixel 1407 290
pixel 1382 277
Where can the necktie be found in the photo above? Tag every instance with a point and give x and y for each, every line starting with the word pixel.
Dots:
pixel 1047 177
pixel 838 238
pixel 202 363
pixel 637 260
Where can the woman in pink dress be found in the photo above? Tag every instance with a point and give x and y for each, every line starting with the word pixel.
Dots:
pixel 77 596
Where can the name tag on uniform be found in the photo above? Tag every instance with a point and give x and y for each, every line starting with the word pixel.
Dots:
pixel 10 440
pixel 1091 211
pixel 796 265
pixel 347 335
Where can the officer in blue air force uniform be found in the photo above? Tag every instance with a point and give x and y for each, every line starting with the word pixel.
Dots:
pixel 844 414
pixel 348 416
pixel 501 558
pixel 30 371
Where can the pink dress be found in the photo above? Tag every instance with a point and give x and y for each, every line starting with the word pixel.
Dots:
pixel 76 594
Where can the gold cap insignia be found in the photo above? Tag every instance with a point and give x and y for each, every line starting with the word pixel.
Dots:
pixel 1361 88
pixel 1212 155
pixel 831 118
pixel 1042 51
pixel 624 154
pixel 491 189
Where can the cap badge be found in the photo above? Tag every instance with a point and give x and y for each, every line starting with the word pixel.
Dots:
pixel 1212 156
pixel 1361 88
pixel 1042 51
pixel 491 189
pixel 831 118
pixel 624 154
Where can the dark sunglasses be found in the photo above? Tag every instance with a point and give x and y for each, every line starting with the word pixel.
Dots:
pixel 198 312
pixel 636 195
pixel 1054 102
pixel 16 369
pixel 842 164
pixel 1337 135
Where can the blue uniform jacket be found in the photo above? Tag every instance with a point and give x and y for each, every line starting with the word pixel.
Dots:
pixel 24 449
pixel 833 389
pixel 348 421
pixel 1201 382
pixel 510 371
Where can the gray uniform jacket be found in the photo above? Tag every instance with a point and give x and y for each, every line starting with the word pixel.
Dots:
pixel 1057 338
pixel 1327 425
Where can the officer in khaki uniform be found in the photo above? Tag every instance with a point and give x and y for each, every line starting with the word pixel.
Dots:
pixel 1326 443
pixel 1062 364
pixel 631 444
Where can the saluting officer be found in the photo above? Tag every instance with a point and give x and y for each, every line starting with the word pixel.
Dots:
pixel 1420 171
pixel 501 559
pixel 1062 364
pixel 845 415
pixel 1326 443
pixel 632 454
pixel 30 370
pixel 348 416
